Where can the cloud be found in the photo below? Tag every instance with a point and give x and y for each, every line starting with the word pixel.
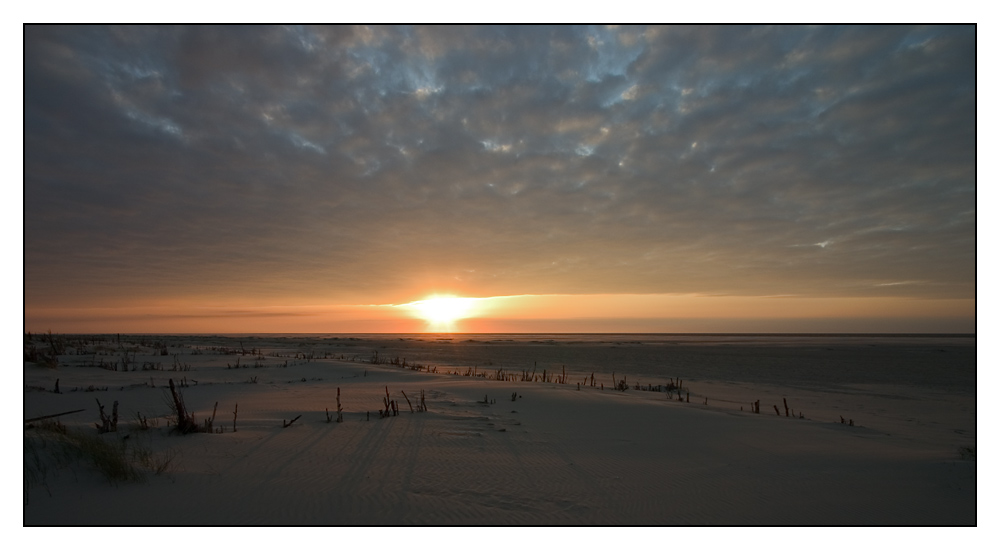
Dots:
pixel 369 164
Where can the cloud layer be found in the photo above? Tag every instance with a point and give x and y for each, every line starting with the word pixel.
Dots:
pixel 303 165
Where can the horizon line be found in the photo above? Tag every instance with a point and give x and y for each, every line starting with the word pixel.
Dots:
pixel 825 333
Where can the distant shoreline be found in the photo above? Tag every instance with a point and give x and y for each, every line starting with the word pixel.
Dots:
pixel 535 334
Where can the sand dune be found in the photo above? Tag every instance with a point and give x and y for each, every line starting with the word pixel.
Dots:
pixel 555 455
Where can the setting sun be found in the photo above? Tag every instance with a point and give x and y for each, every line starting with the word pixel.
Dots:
pixel 442 311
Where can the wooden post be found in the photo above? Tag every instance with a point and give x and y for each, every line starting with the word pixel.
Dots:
pixel 234 416
pixel 785 401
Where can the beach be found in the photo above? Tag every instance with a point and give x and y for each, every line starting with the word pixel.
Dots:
pixel 517 430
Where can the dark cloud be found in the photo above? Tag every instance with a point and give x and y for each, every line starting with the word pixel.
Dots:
pixel 354 164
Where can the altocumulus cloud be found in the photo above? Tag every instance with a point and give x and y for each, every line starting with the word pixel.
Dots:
pixel 353 164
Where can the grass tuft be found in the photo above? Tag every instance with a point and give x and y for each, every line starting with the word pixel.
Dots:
pixel 50 447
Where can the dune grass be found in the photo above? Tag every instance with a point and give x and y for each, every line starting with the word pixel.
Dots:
pixel 50 447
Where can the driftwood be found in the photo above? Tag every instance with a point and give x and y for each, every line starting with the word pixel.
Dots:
pixel 36 419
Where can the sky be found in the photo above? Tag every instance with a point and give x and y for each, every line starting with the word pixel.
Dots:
pixel 572 178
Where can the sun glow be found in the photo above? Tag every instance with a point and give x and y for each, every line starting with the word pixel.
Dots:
pixel 441 312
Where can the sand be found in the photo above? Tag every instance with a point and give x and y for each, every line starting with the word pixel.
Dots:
pixel 552 455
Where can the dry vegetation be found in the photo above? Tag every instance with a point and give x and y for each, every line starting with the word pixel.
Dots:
pixel 49 447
